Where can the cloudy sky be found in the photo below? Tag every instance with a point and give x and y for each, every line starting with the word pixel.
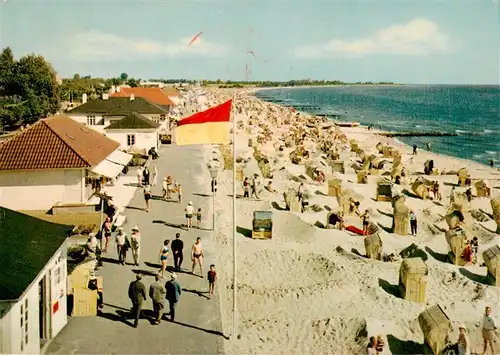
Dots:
pixel 420 42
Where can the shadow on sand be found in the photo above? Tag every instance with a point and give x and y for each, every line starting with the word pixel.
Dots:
pixel 438 256
pixel 247 233
pixel 398 346
pixel 393 290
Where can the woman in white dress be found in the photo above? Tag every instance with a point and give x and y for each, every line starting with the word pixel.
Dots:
pixel 155 175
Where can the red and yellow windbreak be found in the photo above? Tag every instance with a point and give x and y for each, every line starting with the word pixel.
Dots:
pixel 208 127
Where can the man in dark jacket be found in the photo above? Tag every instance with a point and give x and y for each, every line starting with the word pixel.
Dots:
pixel 177 247
pixel 137 294
pixel 157 293
pixel 173 294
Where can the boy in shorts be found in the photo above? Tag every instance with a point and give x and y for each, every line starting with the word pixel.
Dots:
pixel 212 277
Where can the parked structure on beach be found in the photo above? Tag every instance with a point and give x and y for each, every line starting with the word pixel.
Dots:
pixel 56 161
pixel 32 282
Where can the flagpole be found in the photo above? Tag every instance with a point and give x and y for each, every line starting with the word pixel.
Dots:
pixel 235 283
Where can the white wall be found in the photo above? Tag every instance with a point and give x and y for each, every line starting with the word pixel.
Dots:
pixel 11 332
pixel 143 139
pixel 40 189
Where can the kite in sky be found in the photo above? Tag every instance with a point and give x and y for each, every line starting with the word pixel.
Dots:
pixel 194 38
pixel 252 53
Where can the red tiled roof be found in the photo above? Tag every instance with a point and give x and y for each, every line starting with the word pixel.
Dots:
pixel 55 143
pixel 155 95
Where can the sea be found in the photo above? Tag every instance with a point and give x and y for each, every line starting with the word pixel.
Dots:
pixel 471 111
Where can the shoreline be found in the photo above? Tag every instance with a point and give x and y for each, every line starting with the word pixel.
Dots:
pixel 373 130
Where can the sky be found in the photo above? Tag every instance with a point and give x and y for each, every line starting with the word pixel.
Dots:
pixel 414 42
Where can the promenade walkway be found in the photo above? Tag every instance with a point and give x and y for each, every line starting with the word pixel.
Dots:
pixel 197 329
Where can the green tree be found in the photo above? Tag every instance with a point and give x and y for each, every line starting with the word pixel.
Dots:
pixel 76 76
pixel 29 89
pixel 124 76
pixel 133 82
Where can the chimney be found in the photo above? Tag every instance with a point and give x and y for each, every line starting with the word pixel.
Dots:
pixel 117 89
pixel 105 96
pixel 84 99
pixel 132 97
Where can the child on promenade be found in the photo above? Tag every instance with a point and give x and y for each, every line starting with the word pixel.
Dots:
pixel 179 193
pixel 198 218
pixel 212 277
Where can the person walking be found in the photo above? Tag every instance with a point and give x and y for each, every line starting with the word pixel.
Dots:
pixel 365 217
pixel 488 330
pixel 429 146
pixel 198 218
pixel 177 249
pixel 164 188
pixel 463 342
pixel 139 176
pixel 147 196
pixel 212 277
pixel 122 245
pixel 137 294
pixel 157 293
pixel 106 229
pixel 415 149
pixel 179 193
pixel 135 244
pixel 413 222
pixel 145 176
pixel 197 255
pixel 246 188
pixel 173 289
pixel 155 175
pixel 164 257
pixel 254 185
pixel 189 214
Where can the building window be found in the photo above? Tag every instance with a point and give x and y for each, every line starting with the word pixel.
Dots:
pixel 130 139
pixel 24 324
pixel 90 120
pixel 162 117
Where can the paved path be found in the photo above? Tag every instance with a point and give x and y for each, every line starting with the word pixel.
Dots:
pixel 197 329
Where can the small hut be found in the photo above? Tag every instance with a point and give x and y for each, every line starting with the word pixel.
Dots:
pixel 292 200
pixel 428 167
pixel 84 298
pixel 463 177
pixel 334 187
pixel 491 258
pixel 401 216
pixel 482 189
pixel 454 218
pixel 333 220
pixel 495 206
pixel 456 240
pixel 380 147
pixel 373 246
pixel 384 190
pixel 262 225
pixel 435 325
pixel 413 279
pixel 422 188
pixel 250 142
pixel 348 199
pixel 338 166
pixel 362 177
pixel 240 173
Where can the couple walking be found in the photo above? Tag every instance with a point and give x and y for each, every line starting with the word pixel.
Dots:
pixel 158 293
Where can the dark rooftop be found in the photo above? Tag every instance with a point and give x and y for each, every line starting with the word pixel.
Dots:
pixel 26 245
pixel 118 106
pixel 133 121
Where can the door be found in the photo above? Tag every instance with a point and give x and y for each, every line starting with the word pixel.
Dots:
pixel 42 310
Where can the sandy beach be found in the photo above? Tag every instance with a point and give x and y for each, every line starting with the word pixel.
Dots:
pixel 310 289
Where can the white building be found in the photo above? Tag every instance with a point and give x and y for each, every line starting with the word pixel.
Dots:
pixel 100 113
pixel 134 132
pixel 56 161
pixel 33 285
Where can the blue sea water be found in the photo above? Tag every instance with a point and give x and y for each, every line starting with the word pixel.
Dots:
pixel 457 109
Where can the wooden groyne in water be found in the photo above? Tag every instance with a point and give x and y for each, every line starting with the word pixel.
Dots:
pixel 425 134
